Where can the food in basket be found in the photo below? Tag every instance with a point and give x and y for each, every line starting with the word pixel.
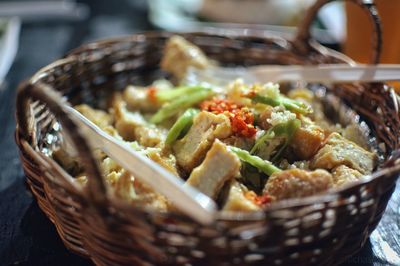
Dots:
pixel 244 145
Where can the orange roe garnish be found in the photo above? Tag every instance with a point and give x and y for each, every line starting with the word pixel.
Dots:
pixel 242 120
pixel 152 93
pixel 258 200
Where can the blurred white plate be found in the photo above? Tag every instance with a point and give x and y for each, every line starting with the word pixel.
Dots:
pixel 181 16
pixel 9 38
pixel 271 12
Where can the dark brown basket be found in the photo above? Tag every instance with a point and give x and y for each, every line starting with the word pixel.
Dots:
pixel 322 230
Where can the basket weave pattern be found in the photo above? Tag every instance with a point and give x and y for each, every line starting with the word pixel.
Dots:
pixel 323 230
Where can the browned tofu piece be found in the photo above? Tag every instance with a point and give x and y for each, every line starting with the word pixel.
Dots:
pixel 147 197
pixel 98 117
pixel 166 161
pixel 192 148
pixel 240 142
pixel 307 140
pixel 354 133
pixel 179 55
pixel 138 99
pixel 132 126
pixel 302 94
pixel 340 151
pixel 150 136
pixel 219 166
pixel 297 183
pixel 121 184
pixel 343 175
pixel 237 201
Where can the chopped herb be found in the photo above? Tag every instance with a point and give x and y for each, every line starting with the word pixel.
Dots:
pixel 172 94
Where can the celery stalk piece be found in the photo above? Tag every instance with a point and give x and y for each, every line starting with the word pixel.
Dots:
pixel 169 95
pixel 289 104
pixel 262 165
pixel 183 123
pixel 181 103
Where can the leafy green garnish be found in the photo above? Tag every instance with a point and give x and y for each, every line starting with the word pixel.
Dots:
pixel 181 125
pixel 172 94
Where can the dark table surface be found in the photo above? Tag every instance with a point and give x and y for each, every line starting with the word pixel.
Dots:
pixel 26 235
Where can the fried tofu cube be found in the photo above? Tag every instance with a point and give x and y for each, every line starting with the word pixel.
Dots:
pixel 237 201
pixel 297 183
pixel 344 174
pixel 132 126
pixel 180 54
pixel 167 161
pixel 139 99
pixel 219 166
pixel 340 151
pixel 307 140
pixel 192 148
pixel 98 117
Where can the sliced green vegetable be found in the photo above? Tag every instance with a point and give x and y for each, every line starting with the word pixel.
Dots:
pixel 169 95
pixel 179 104
pixel 287 130
pixel 263 165
pixel 274 137
pixel 289 104
pixel 183 123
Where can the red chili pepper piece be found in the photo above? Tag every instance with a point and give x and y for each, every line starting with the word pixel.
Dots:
pixel 152 94
pixel 258 200
pixel 242 120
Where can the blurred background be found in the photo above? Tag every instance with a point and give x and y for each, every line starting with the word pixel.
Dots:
pixel 60 25
pixel 35 33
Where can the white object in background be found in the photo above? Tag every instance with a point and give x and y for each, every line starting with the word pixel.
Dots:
pixel 9 46
pixel 333 16
pixel 44 10
pixel 181 16
pixel 274 12
pixel 336 73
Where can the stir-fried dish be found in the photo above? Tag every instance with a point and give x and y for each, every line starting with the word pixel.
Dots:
pixel 244 145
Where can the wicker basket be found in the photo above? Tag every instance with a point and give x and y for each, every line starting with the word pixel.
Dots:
pixel 322 230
